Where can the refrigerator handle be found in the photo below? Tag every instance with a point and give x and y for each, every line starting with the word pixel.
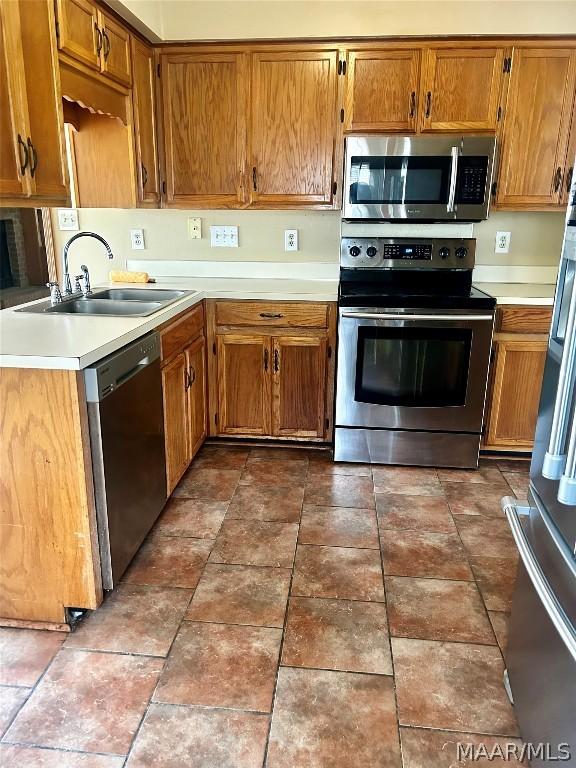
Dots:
pixel 540 582
pixel 567 486
pixel 554 462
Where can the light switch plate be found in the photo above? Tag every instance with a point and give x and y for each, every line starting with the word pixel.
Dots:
pixel 224 237
pixel 502 244
pixel 290 239
pixel 194 228
pixel 137 238
pixel 68 219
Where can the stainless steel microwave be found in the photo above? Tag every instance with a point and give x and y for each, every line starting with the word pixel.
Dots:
pixel 431 178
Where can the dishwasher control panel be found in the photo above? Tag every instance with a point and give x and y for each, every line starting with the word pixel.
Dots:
pixel 111 372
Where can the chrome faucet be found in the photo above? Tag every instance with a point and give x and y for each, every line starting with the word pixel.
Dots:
pixel 86 289
pixel 67 283
pixel 55 295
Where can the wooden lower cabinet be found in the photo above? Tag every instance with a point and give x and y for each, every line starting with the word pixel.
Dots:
pixel 174 378
pixel 196 367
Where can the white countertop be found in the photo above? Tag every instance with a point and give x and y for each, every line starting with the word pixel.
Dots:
pixel 520 293
pixel 73 342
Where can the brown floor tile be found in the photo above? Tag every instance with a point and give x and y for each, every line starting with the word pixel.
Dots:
pixel 339 491
pixel 241 594
pixel 455 686
pixel 486 537
pixel 11 699
pixel 221 457
pixel 267 503
pixel 333 719
pixel 437 609
pixel 133 619
pixel 519 483
pixel 322 463
pixel 167 561
pixel 174 737
pixel 25 654
pixel 475 499
pixel 30 757
pixel 423 748
pixel 500 624
pixel 339 527
pixel 251 542
pixel 221 665
pixel 210 484
pixel 416 513
pixel 87 701
pixel 337 634
pixel 277 452
pixel 420 553
pixel 514 465
pixel 274 472
pixel 414 481
pixel 342 572
pixel 191 517
pixel 486 475
pixel 496 578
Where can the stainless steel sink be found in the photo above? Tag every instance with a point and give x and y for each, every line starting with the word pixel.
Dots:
pixel 163 295
pixel 105 307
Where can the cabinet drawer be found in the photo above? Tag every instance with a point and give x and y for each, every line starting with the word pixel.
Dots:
pixel 177 335
pixel 272 314
pixel 520 319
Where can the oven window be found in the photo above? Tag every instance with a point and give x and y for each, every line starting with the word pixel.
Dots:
pixel 399 180
pixel 419 367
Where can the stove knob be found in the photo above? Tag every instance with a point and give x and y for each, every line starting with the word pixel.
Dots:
pixel 371 251
pixel 444 253
pixel 461 252
pixel 354 251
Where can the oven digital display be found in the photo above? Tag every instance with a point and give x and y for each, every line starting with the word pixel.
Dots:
pixel 408 252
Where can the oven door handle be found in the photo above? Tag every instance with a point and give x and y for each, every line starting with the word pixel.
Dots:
pixel 454 152
pixel 392 316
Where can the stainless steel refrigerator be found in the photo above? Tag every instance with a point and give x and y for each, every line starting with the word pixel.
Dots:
pixel 541 653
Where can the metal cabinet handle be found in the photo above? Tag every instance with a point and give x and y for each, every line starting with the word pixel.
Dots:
pixel 100 39
pixel 412 103
pixel 187 382
pixel 569 178
pixel 106 45
pixel 276 361
pixel 271 315
pixel 254 178
pixel 428 103
pixel 266 360
pixel 557 179
pixel 22 148
pixel 192 375
pixel 144 175
pixel 34 163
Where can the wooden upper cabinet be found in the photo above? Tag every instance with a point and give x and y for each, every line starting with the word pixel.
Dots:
pixel 78 33
pixel 298 385
pixel 176 426
pixel 461 89
pixel 536 127
pixel 570 157
pixel 204 108
pixel 293 128
pixel 195 360
pixel 143 98
pixel 243 384
pixel 115 52
pixel 382 90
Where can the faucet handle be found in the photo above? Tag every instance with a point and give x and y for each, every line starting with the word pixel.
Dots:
pixel 87 291
pixel 55 293
pixel 77 286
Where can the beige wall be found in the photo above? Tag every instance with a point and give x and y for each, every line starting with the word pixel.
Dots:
pixel 237 19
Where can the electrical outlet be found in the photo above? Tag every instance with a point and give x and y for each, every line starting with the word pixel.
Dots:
pixel 194 229
pixel 224 237
pixel 502 242
pixel 290 239
pixel 137 238
pixel 68 219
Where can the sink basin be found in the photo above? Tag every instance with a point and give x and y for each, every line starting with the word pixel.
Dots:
pixel 164 295
pixel 107 307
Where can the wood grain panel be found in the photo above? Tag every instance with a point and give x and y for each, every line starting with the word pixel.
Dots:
pixel 144 103
pixel 536 126
pixel 176 425
pixel 204 128
pixel 298 386
pixel 523 319
pixel 177 335
pixel 269 314
pixel 293 127
pixel 382 90
pixel 197 410
pixel 77 21
pixel 570 159
pixel 115 55
pixel 464 87
pixel 244 370
pixel 49 550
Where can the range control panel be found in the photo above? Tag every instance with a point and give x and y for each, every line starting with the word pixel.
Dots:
pixel 407 253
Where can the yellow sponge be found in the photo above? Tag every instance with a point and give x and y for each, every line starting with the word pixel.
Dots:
pixel 124 276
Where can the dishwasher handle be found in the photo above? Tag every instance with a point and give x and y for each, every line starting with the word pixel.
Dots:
pixel 114 371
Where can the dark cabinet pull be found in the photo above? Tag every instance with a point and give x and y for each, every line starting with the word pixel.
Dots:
pixel 106 45
pixel 144 175
pixel 428 103
pixel 265 359
pixel 187 381
pixel 271 315
pixel 192 375
pixel 569 178
pixel 254 178
pixel 557 179
pixel 34 154
pixel 276 361
pixel 22 148
pixel 412 103
pixel 99 41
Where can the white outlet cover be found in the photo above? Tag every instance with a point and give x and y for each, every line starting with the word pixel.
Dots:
pixel 194 228
pixel 224 237
pixel 502 244
pixel 68 219
pixel 290 239
pixel 137 238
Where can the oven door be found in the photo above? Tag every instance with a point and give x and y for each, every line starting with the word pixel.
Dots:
pixel 421 371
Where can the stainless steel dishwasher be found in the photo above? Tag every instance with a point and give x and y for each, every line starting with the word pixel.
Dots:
pixel 125 413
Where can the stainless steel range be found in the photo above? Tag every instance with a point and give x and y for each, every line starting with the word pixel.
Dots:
pixel 413 352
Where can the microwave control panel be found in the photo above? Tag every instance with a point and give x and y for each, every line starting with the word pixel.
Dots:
pixel 407 253
pixel 471 182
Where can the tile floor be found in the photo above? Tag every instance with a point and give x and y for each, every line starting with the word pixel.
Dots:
pixel 285 612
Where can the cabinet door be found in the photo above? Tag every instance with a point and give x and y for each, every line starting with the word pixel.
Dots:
pixel 298 386
pixel 115 55
pixel 382 90
pixel 293 126
pixel 517 381
pixel 536 126
pixel 244 384
pixel 78 31
pixel 204 108
pixel 461 89
pixel 143 97
pixel 570 157
pixel 176 428
pixel 195 361
pixel 46 125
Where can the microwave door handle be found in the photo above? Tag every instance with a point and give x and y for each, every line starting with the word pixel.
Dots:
pixel 454 152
